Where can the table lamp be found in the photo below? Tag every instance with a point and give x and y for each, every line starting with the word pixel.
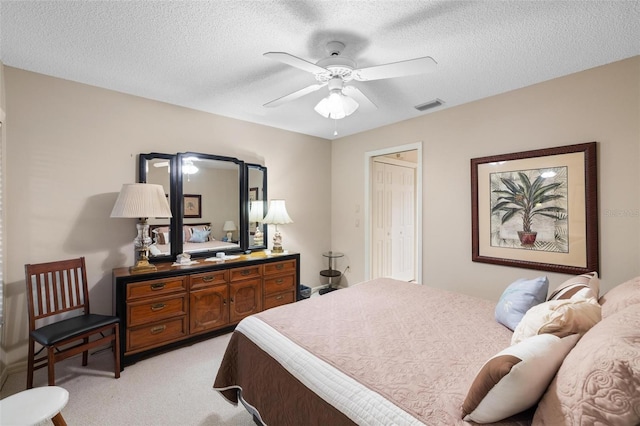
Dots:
pixel 142 201
pixel 229 226
pixel 277 215
pixel 256 214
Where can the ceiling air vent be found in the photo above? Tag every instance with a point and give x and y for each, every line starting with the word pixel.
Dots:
pixel 428 105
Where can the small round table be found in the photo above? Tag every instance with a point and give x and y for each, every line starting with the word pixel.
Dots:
pixel 34 406
pixel 331 273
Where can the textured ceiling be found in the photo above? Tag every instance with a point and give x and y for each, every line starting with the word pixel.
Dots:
pixel 207 55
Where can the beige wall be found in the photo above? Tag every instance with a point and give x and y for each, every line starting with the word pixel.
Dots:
pixel 70 147
pixel 601 104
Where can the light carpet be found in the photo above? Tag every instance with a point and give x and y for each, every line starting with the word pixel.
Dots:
pixel 174 388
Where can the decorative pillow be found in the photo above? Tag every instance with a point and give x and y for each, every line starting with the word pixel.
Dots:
pixel 189 230
pixel 199 236
pixel 515 378
pixel 518 298
pixel 585 285
pixel 161 235
pixel 155 251
pixel 560 317
pixel 621 296
pixel 599 381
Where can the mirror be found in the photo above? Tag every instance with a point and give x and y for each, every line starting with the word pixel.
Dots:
pixel 211 211
pixel 257 202
pixel 159 169
pixel 209 193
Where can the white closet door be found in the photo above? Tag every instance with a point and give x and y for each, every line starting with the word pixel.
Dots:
pixel 393 221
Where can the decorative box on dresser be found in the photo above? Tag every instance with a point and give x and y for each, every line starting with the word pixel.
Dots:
pixel 178 305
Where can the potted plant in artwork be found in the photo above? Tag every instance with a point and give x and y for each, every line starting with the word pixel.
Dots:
pixel 526 199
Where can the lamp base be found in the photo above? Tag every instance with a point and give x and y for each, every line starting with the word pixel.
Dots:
pixel 142 266
pixel 277 250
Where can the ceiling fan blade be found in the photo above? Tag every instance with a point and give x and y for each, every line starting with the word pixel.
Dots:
pixel 395 69
pixel 294 61
pixel 295 95
pixel 161 164
pixel 365 103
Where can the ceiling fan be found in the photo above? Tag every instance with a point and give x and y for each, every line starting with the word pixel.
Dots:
pixel 336 70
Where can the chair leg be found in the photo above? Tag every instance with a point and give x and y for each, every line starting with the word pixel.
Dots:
pixel 85 354
pixel 51 365
pixel 116 350
pixel 30 363
pixel 58 420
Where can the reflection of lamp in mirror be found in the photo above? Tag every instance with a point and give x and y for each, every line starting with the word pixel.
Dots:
pixel 142 201
pixel 229 226
pixel 256 214
pixel 277 215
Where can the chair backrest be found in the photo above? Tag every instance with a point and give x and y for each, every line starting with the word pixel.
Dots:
pixel 56 287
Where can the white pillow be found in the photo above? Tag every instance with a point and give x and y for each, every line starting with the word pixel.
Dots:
pixel 560 317
pixel 515 378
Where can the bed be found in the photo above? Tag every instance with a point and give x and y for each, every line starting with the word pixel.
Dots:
pixel 196 238
pixel 388 352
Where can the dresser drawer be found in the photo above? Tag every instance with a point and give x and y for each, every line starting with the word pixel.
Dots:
pixel 156 309
pixel 208 279
pixel 156 334
pixel 274 300
pixel 156 287
pixel 279 283
pixel 237 274
pixel 280 267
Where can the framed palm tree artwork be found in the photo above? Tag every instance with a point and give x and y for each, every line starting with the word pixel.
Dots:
pixel 537 209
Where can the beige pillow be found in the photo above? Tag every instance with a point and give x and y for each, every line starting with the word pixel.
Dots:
pixel 620 297
pixel 584 286
pixel 599 380
pixel 559 317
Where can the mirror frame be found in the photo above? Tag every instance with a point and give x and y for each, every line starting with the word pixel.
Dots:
pixel 263 169
pixel 177 204
pixel 173 196
pixel 242 206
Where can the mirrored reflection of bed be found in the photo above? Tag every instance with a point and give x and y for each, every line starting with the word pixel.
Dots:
pixel 196 238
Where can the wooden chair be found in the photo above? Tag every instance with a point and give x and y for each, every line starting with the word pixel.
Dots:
pixel 56 288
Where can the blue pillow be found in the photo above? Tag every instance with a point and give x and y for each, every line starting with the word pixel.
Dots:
pixel 518 298
pixel 199 236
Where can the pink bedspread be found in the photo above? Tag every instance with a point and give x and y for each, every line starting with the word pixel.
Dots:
pixel 417 346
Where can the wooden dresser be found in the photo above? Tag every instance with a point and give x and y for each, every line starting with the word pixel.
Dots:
pixel 178 305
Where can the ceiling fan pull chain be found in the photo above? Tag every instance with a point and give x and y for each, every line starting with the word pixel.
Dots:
pixel 335 129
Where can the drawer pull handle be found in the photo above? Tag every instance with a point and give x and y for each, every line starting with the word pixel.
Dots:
pixel 224 302
pixel 158 286
pixel 158 307
pixel 231 300
pixel 245 272
pixel 208 279
pixel 280 266
pixel 279 281
pixel 280 297
pixel 158 329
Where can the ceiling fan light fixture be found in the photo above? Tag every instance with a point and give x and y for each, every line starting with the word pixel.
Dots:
pixel 336 105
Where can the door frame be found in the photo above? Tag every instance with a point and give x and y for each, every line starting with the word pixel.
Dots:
pixel 368 159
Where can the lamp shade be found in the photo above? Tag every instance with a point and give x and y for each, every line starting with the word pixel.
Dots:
pixel 336 105
pixel 141 200
pixel 229 226
pixel 277 214
pixel 256 211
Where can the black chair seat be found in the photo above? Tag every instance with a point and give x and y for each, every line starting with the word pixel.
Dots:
pixel 53 333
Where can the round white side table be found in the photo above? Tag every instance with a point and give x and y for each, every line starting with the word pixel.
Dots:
pixel 34 406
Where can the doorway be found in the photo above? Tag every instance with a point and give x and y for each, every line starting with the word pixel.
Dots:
pixel 393 212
